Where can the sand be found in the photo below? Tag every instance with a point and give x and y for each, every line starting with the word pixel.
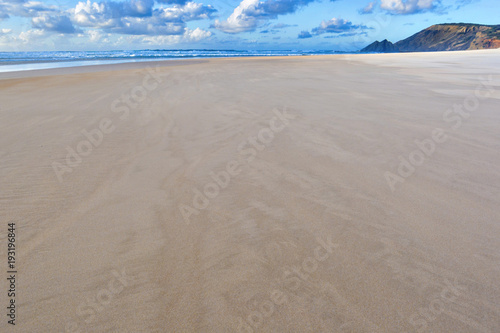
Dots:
pixel 255 195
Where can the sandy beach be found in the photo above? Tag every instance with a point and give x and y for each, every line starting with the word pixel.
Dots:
pixel 341 193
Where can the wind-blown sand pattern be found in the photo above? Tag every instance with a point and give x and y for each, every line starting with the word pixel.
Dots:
pixel 303 233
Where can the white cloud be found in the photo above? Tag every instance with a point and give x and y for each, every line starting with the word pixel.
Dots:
pixel 250 14
pixel 130 18
pixel 239 21
pixel 196 35
pixel 103 21
pixel 405 7
pixel 55 23
pixel 28 37
pixel 95 15
pixel 24 8
pixel 96 36
pixel 189 12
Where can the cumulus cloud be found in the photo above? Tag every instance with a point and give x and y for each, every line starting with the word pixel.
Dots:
pixel 87 12
pixel 108 14
pixel 189 12
pixel 96 36
pixel 23 8
pixel 336 26
pixel 131 17
pixel 250 14
pixel 196 35
pixel 96 15
pixel 304 34
pixel 57 23
pixel 43 17
pixel 405 7
pixel 153 22
pixel 137 17
pixel 157 22
pixel 241 20
pixel 30 36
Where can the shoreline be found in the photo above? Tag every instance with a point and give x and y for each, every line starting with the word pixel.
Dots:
pixel 80 69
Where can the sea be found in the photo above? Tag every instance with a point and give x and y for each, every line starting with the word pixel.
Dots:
pixel 19 61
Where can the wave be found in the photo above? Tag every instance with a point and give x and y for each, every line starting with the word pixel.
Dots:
pixel 13 61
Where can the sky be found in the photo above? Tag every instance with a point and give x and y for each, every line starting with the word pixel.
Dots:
pixel 341 25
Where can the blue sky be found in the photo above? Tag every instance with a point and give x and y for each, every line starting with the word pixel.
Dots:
pixel 343 25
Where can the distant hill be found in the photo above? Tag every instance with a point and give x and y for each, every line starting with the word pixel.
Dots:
pixel 444 37
pixel 382 47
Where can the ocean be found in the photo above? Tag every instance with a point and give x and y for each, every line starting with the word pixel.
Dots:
pixel 18 61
